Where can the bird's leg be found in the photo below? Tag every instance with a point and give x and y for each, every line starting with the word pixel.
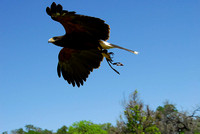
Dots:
pixel 109 58
pixel 107 55
pixel 109 63
pixel 115 63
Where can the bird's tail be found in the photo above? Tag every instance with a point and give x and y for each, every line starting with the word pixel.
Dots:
pixel 115 46
pixel 106 45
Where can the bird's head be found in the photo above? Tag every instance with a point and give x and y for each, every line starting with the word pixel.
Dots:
pixel 56 40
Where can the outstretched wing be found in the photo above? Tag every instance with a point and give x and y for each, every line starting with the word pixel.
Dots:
pixel 73 22
pixel 76 65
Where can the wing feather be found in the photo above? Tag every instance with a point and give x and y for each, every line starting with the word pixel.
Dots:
pixel 72 22
pixel 76 65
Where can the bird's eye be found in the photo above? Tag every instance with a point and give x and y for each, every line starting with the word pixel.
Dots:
pixel 55 38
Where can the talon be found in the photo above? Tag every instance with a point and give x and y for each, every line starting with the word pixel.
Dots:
pixel 109 63
pixel 118 64
pixel 111 53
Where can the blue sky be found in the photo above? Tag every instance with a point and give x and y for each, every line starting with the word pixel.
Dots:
pixel 166 33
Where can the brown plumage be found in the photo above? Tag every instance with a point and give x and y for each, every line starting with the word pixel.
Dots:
pixel 76 65
pixel 83 44
pixel 79 25
pixel 82 52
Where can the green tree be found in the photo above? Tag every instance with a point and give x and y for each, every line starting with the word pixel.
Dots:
pixel 109 128
pixel 18 131
pixel 30 127
pixel 137 119
pixel 86 127
pixel 5 132
pixel 170 120
pixel 62 130
pixel 46 131
pixel 32 132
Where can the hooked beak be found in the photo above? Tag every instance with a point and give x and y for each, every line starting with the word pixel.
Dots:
pixel 51 40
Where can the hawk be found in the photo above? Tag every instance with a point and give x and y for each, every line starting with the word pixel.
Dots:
pixel 83 45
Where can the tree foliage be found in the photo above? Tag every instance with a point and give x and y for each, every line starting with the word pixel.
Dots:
pixel 137 118
pixel 170 120
pixel 30 129
pixel 86 127
pixel 62 130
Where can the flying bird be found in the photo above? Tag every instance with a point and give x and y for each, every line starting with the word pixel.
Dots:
pixel 84 44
